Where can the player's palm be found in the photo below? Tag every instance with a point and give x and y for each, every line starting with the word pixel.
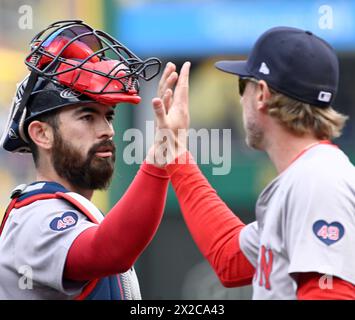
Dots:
pixel 171 115
pixel 172 107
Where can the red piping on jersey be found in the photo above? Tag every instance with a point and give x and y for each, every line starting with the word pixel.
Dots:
pixel 120 286
pixel 34 198
pixel 311 146
pixel 56 195
pixel 7 213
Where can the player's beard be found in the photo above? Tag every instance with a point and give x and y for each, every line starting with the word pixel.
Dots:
pixel 254 132
pixel 254 136
pixel 90 172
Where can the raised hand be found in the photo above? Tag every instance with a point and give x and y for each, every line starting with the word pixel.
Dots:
pixel 171 109
pixel 166 84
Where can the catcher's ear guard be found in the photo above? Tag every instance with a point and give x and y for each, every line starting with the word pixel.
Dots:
pixel 35 96
pixel 13 138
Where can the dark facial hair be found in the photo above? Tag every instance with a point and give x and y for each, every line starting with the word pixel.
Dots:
pixel 90 172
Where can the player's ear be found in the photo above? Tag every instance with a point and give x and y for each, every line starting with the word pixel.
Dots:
pixel 41 133
pixel 263 96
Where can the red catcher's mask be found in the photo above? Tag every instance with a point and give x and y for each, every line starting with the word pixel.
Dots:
pixel 90 61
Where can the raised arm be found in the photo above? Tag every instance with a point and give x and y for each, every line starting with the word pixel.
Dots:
pixel 212 224
pixel 114 245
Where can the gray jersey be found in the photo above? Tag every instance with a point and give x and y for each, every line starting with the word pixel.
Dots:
pixel 34 245
pixel 305 222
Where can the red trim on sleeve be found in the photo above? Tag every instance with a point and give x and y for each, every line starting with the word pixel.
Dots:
pixel 212 224
pixel 7 213
pixel 309 288
pixel 114 245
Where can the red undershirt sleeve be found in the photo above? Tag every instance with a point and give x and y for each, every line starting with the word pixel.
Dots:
pixel 212 224
pixel 309 288
pixel 113 246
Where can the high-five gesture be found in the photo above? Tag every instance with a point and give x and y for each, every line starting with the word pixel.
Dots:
pixel 171 108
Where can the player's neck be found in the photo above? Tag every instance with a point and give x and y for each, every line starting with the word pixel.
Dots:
pixel 285 148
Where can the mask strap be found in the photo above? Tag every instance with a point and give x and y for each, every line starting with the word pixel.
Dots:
pixel 26 94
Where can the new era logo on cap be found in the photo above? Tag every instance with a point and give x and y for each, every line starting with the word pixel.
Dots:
pixel 264 68
pixel 324 96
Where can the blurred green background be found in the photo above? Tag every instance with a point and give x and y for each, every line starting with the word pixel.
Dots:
pixel 201 32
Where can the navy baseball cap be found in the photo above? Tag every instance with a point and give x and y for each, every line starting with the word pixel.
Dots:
pixel 294 62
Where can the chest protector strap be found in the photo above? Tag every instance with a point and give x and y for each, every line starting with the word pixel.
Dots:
pixel 108 288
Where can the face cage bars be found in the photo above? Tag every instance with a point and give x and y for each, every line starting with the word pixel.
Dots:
pixel 136 67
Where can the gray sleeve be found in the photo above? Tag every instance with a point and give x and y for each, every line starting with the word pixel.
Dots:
pixel 249 242
pixel 45 231
pixel 319 227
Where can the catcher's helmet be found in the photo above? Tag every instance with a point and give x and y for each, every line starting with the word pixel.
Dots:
pixel 71 63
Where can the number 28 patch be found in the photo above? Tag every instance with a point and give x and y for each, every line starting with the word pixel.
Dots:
pixel 328 233
pixel 68 220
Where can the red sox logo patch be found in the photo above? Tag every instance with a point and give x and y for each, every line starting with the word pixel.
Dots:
pixel 328 233
pixel 66 221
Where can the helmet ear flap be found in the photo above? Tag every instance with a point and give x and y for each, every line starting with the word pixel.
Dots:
pixel 35 95
pixel 14 138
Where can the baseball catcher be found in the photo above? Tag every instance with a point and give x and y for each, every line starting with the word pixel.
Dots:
pixel 63 114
